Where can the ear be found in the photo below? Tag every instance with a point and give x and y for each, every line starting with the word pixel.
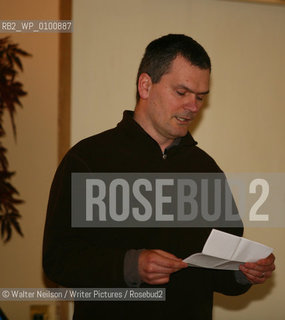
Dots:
pixel 144 85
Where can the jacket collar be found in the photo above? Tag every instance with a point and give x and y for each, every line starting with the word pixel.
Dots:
pixel 136 132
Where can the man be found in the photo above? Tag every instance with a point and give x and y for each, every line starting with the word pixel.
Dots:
pixel 172 82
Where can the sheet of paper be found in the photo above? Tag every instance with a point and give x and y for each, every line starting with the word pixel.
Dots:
pixel 226 251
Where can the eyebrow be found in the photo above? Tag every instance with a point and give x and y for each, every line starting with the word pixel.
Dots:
pixel 181 86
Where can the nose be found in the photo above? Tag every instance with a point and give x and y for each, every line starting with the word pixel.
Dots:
pixel 193 103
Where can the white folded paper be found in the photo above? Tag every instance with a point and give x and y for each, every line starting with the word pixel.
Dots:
pixel 226 251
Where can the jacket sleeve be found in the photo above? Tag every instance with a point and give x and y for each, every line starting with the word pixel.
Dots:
pixel 225 282
pixel 78 257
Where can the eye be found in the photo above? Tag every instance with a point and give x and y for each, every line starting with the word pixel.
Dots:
pixel 200 98
pixel 181 93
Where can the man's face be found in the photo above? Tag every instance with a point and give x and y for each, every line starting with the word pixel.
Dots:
pixel 175 100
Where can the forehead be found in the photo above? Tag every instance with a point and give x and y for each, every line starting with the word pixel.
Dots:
pixel 182 72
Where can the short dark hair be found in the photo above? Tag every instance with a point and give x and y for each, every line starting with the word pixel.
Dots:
pixel 160 53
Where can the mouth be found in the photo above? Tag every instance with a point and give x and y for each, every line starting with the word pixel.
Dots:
pixel 183 119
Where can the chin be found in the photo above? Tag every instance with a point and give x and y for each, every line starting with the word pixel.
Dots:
pixel 182 133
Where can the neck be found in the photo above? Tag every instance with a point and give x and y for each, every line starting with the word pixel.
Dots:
pixel 143 121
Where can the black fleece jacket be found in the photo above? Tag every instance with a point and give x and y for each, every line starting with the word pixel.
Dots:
pixel 94 257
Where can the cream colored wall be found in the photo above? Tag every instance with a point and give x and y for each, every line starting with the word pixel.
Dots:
pixel 243 124
pixel 34 156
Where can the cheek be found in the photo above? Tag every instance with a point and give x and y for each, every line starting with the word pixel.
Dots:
pixel 175 106
pixel 164 104
pixel 169 103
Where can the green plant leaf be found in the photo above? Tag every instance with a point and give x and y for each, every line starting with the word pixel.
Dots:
pixel 11 91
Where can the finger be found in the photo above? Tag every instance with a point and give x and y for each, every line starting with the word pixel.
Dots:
pixel 256 275
pixel 169 264
pixel 152 268
pixel 156 276
pixel 155 281
pixel 166 260
pixel 152 262
pixel 155 266
pixel 167 254
pixel 251 272
pixel 149 275
pixel 165 265
pixel 260 267
pixel 171 257
pixel 267 261
pixel 254 279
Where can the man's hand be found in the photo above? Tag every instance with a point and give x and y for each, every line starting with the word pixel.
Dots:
pixel 259 271
pixel 155 266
